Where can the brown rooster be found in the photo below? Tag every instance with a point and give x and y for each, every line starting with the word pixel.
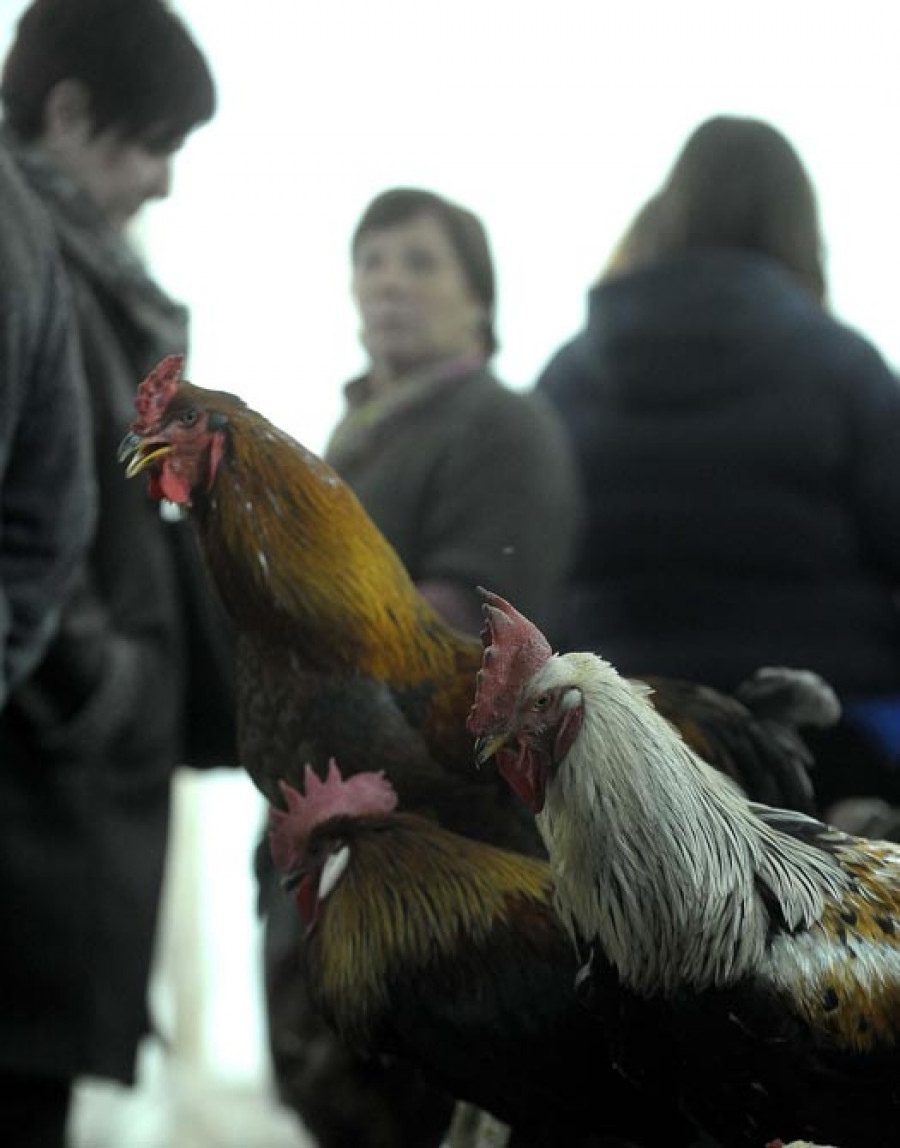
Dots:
pixel 447 952
pixel 744 960
pixel 338 654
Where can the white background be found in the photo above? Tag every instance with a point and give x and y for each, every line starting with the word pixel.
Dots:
pixel 554 122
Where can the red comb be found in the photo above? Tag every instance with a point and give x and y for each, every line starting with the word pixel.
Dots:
pixel 514 649
pixel 359 795
pixel 155 393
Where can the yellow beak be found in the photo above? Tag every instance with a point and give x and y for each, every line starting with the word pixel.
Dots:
pixel 140 452
pixel 486 747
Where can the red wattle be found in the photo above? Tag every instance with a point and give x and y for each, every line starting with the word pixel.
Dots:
pixel 307 896
pixel 174 486
pixel 525 775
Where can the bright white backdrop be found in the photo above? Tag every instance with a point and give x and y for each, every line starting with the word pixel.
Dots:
pixel 553 121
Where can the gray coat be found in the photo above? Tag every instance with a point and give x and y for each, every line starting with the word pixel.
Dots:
pixel 46 500
pixel 468 480
pixel 137 681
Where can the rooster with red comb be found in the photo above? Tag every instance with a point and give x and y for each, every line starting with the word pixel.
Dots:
pixel 447 953
pixel 337 656
pixel 743 959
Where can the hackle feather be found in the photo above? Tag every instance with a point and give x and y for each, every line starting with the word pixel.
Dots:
pixel 658 855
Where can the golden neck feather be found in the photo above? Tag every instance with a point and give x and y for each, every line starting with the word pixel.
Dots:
pixel 291 548
pixel 412 895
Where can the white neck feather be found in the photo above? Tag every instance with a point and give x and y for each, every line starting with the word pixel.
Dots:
pixel 656 855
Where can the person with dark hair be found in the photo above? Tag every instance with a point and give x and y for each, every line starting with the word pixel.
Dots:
pixel 472 483
pixel 737 184
pixel 737 449
pixel 97 97
pixel 103 48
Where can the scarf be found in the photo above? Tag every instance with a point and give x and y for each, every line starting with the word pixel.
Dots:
pixel 370 415
pixel 97 250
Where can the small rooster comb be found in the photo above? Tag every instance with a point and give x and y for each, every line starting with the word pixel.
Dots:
pixel 155 393
pixel 361 794
pixel 514 649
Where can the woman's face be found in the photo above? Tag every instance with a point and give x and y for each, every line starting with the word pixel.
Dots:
pixel 120 175
pixel 414 300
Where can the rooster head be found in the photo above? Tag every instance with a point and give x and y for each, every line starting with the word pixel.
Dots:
pixel 527 725
pixel 311 862
pixel 178 435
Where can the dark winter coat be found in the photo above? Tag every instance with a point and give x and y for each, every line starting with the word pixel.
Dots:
pixel 46 494
pixel 136 683
pixel 740 454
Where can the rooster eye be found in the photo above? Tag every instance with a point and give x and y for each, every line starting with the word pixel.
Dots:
pixel 189 417
pixel 541 702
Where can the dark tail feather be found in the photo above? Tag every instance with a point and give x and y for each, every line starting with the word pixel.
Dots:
pixel 785 701
pixel 791 697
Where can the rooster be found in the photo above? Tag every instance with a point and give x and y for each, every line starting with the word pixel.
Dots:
pixel 339 655
pixel 744 960
pixel 447 952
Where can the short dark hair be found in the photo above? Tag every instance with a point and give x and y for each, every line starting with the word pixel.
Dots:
pixel 462 227
pixel 144 75
pixel 737 182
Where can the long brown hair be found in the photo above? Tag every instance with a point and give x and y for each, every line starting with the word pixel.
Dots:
pixel 739 183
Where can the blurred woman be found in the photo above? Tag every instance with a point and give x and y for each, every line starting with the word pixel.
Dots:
pixel 471 482
pixel 738 448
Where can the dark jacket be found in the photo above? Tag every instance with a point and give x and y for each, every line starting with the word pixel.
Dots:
pixel 739 453
pixel 136 683
pixel 46 493
pixel 470 481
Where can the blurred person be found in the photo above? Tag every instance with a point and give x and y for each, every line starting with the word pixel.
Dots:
pixel 46 494
pixel 472 483
pixel 737 449
pixel 97 97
